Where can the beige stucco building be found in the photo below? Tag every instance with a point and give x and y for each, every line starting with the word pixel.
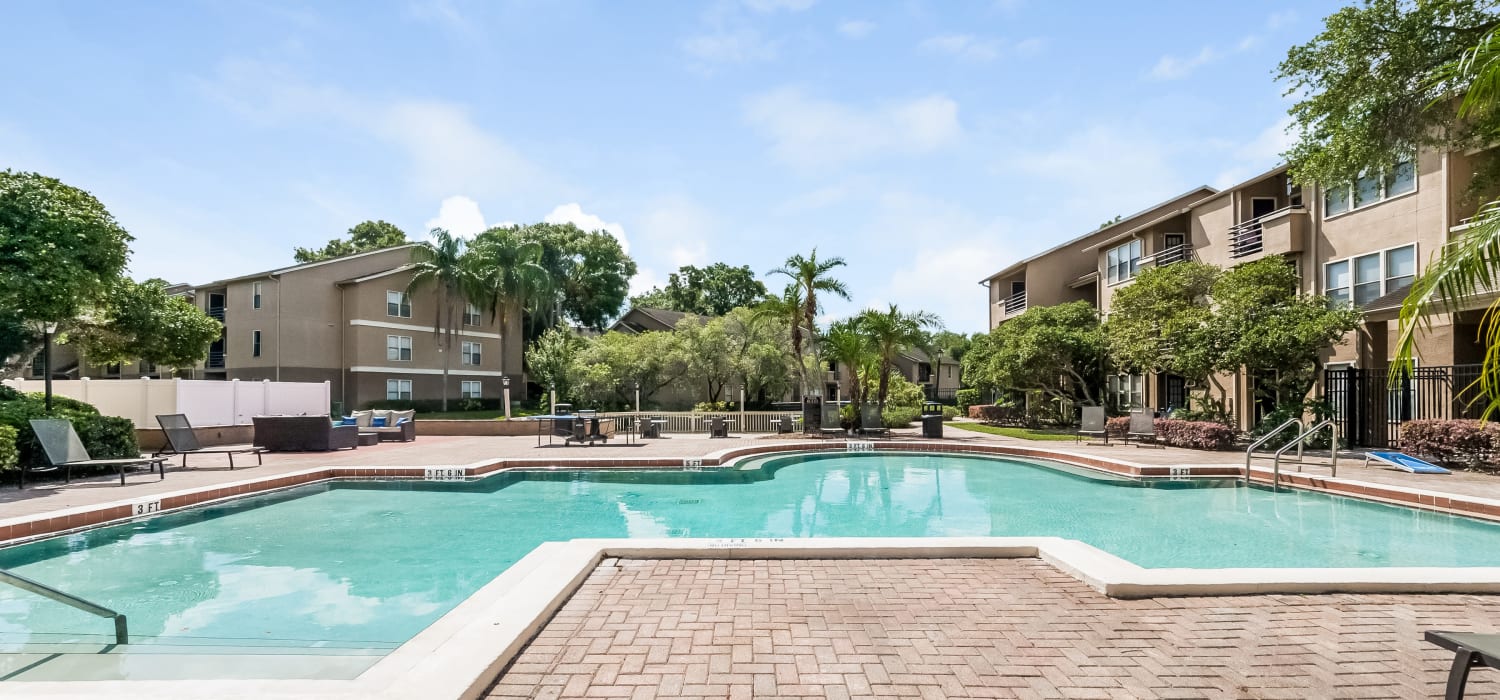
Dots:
pixel 1363 243
pixel 347 321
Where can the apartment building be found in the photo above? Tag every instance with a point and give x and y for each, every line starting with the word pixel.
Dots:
pixel 1364 243
pixel 348 321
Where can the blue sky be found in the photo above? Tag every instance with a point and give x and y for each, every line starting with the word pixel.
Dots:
pixel 927 143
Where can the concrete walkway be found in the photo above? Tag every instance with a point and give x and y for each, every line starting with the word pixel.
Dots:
pixel 1002 628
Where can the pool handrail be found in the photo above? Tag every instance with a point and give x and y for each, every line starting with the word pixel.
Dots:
pixel 1333 450
pixel 122 633
pixel 1250 451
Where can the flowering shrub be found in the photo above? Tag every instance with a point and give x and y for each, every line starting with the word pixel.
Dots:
pixel 1194 434
pixel 996 415
pixel 1465 443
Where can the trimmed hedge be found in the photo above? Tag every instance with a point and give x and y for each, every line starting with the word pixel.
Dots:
pixel 899 416
pixel 9 459
pixel 1197 435
pixel 966 398
pixel 998 415
pixel 105 437
pixel 435 405
pixel 1460 443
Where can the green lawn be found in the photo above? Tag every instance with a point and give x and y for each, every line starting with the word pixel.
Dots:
pixel 1021 433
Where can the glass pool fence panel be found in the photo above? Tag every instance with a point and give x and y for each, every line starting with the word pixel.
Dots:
pixel 1370 409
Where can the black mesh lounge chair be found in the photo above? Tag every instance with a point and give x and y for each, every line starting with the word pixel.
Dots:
pixel 1093 425
pixel 1142 428
pixel 832 422
pixel 65 451
pixel 870 421
pixel 181 440
pixel 717 428
pixel 1470 651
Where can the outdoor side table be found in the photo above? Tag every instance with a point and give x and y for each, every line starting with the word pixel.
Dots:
pixel 368 439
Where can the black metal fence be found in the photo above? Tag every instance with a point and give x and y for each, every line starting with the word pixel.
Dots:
pixel 1370 409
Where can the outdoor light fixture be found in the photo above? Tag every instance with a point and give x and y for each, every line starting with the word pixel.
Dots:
pixel 48 329
pixel 505 397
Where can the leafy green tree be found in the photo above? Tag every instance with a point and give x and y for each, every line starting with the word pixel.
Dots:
pixel 786 310
pixel 141 321
pixel 61 252
pixel 551 358
pixel 892 332
pixel 608 368
pixel 364 236
pixel 590 272
pixel 706 291
pixel 810 276
pixel 508 276
pixel 759 348
pixel 1268 328
pixel 1163 322
pixel 440 265
pixel 706 354
pixel 1364 85
pixel 654 298
pixel 1055 350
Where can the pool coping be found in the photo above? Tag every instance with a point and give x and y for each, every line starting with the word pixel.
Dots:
pixel 20 529
pixel 460 654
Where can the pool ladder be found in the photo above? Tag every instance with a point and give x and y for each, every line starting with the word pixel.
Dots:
pixel 1297 442
pixel 122 633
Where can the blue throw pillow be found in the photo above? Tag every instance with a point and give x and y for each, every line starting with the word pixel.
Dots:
pixel 348 420
pixel 403 420
pixel 377 423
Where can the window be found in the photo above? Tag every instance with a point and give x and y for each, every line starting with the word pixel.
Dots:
pixel 38 365
pixel 1400 267
pixel 398 390
pixel 472 352
pixel 1371 188
pixel 468 390
pixel 833 366
pixel 255 343
pixel 255 293
pixel 1121 263
pixel 1365 278
pixel 924 373
pixel 398 348
pixel 113 369
pixel 148 368
pixel 1126 390
pixel 1336 280
pixel 397 304
pixel 471 315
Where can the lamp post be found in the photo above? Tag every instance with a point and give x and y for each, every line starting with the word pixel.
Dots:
pixel 48 329
pixel 637 396
pixel 552 401
pixel 505 382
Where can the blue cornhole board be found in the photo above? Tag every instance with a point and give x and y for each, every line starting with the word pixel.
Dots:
pixel 1406 463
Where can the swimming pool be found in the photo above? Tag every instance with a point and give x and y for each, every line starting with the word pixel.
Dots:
pixel 359 567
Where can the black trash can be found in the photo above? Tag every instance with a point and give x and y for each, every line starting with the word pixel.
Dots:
pixel 932 420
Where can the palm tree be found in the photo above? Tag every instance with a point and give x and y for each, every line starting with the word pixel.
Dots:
pixel 1469 265
pixel 508 276
pixel 439 264
pixel 892 332
pixel 810 276
pixel 787 309
pixel 847 344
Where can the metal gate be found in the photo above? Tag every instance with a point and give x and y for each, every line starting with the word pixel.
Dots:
pixel 1370 409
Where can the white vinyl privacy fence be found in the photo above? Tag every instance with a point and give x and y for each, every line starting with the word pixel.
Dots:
pixel 205 402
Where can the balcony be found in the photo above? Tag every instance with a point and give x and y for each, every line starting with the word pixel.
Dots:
pixel 1014 304
pixel 216 313
pixel 215 360
pixel 1175 254
pixel 1279 232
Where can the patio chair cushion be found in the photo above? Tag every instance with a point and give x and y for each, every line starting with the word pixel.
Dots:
pixel 399 417
pixel 378 422
pixel 362 418
pixel 349 420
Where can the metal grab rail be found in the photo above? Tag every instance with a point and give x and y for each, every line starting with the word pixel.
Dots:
pixel 1250 450
pixel 122 634
pixel 1333 450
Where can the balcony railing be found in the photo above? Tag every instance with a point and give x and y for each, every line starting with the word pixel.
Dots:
pixel 215 360
pixel 216 313
pixel 1015 303
pixel 1176 254
pixel 1249 238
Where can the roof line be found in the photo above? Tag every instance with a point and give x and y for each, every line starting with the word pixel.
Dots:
pixel 304 266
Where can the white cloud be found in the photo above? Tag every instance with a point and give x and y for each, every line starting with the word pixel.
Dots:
pixel 689 253
pixel 573 213
pixel 775 5
pixel 1258 154
pixel 740 45
pixel 856 28
pixel 1103 170
pixel 1281 19
pixel 1174 68
pixel 460 216
pixel 447 150
pixel 645 280
pixel 964 46
pixel 808 132
pixel 1030 46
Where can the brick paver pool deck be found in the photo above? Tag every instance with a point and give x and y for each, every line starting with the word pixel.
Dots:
pixel 1003 628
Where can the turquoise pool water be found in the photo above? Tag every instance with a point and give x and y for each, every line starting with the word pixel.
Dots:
pixel 367 565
